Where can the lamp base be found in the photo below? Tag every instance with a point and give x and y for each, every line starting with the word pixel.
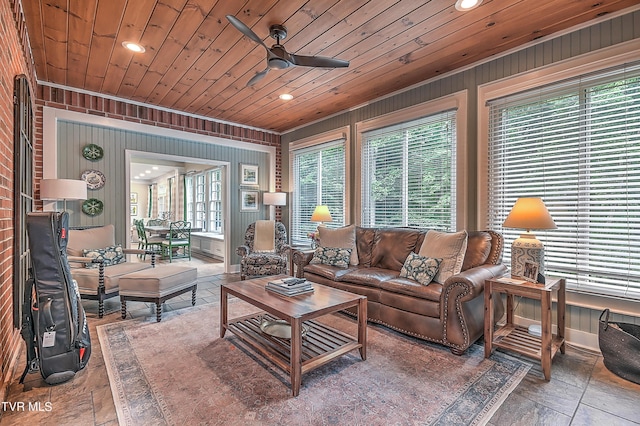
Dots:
pixel 526 249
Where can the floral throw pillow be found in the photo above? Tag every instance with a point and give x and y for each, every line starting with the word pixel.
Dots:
pixel 332 256
pixel 420 268
pixel 111 255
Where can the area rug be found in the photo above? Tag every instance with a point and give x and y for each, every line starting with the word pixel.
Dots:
pixel 179 371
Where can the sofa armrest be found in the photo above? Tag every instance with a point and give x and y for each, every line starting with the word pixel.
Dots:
pixel 472 280
pixel 242 251
pixel 462 306
pixel 300 259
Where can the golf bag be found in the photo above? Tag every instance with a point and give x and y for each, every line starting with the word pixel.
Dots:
pixel 54 325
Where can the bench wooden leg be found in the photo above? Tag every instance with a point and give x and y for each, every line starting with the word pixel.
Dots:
pixel 158 311
pixel 123 309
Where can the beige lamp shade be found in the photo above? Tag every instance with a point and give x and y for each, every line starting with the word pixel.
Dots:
pixel 321 214
pixel 275 198
pixel 529 213
pixel 63 189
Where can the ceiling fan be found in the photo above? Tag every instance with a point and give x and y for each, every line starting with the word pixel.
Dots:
pixel 278 57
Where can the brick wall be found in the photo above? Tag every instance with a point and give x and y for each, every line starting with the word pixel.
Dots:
pixel 15 59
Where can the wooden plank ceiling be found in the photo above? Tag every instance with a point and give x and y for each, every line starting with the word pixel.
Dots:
pixel 196 62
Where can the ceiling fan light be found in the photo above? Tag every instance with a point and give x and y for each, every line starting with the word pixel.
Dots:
pixel 286 96
pixel 464 5
pixel 134 47
pixel 278 63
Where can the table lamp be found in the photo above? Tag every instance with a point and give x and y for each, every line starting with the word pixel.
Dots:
pixel 63 189
pixel 321 214
pixel 528 213
pixel 274 199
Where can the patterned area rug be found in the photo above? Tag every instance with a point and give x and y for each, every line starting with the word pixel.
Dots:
pixel 179 371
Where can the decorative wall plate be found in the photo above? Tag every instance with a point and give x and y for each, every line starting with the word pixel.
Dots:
pixel 92 152
pixel 94 178
pixel 92 207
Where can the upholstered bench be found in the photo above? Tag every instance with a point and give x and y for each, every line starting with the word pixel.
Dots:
pixel 157 285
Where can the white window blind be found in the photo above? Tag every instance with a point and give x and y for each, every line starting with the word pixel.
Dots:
pixel 318 178
pixel 576 144
pixel 409 174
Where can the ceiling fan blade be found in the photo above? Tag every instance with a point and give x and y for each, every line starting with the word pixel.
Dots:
pixel 318 61
pixel 240 26
pixel 259 76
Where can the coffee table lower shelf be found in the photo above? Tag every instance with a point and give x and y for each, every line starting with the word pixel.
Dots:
pixel 320 344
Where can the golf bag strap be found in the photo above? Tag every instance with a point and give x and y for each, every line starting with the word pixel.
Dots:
pixel 27 331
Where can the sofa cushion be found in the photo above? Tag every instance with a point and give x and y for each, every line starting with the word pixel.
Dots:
pixel 80 239
pixel 412 288
pixel 391 246
pixel 111 255
pixel 448 246
pixel 371 277
pixel 419 268
pixel 327 271
pixel 478 249
pixel 334 256
pixel 414 303
pixel 344 237
pixel 364 244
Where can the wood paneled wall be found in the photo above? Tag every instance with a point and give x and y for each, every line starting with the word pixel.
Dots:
pixel 585 40
pixel 73 136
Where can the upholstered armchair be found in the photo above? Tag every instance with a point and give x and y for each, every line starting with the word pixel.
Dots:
pixel 258 257
pixel 97 263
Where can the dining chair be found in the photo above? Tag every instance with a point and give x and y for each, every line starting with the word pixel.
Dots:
pixel 146 242
pixel 179 237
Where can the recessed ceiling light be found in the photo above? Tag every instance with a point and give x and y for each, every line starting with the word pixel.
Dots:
pixel 147 171
pixel 286 97
pixel 155 167
pixel 464 5
pixel 134 47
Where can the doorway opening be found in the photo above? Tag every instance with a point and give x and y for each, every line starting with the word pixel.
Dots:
pixel 168 187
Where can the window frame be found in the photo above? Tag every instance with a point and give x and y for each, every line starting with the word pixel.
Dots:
pixel 583 64
pixel 457 101
pixel 315 141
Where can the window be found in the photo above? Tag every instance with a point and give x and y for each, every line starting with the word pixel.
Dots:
pixel 576 144
pixel 215 201
pixel 318 177
pixel 409 173
pixel 23 167
pixel 203 194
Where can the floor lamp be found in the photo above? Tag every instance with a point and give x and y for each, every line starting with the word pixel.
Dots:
pixel 63 189
pixel 273 199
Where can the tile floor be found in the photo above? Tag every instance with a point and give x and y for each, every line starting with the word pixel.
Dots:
pixel 581 391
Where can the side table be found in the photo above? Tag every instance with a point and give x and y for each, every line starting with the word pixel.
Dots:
pixel 516 338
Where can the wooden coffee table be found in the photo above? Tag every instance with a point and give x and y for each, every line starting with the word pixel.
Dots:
pixel 320 343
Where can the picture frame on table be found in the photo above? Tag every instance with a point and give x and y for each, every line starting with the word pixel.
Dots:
pixel 530 272
pixel 248 174
pixel 249 201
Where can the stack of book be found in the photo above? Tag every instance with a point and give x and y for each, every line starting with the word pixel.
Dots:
pixel 290 286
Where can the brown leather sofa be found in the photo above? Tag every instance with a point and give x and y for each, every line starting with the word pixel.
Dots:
pixel 451 314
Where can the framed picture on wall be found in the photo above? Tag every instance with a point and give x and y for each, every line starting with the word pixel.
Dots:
pixel 134 210
pixel 248 174
pixel 134 198
pixel 249 201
